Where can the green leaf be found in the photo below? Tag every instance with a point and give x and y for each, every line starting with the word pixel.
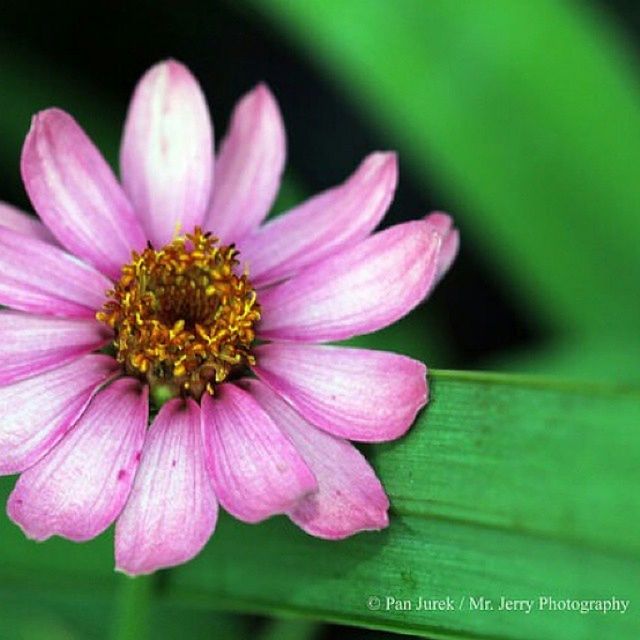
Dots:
pixel 505 486
pixel 528 116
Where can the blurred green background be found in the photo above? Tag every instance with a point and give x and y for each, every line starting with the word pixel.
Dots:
pixel 522 119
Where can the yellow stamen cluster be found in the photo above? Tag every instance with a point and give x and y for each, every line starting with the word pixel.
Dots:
pixel 182 317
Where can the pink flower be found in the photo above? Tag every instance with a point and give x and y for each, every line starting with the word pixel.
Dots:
pixel 184 319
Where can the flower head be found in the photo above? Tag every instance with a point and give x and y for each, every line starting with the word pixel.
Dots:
pixel 168 290
pixel 181 316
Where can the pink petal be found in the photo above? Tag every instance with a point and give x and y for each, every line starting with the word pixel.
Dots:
pixel 76 194
pixel 40 278
pixel 78 489
pixel 364 395
pixel 443 223
pixel 248 167
pixel 350 497
pixel 37 412
pixel 358 290
pixel 255 470
pixel 12 218
pixel 324 224
pixel 30 344
pixel 167 152
pixel 172 510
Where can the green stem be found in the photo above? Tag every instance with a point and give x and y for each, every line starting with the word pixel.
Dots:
pixel 133 608
pixel 291 629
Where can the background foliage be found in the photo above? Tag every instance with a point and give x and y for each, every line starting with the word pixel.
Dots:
pixel 523 119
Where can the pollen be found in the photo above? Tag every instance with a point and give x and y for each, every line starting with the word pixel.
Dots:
pixel 183 318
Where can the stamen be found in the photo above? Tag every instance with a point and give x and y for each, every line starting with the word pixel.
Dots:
pixel 182 318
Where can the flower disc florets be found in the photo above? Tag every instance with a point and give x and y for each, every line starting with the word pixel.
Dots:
pixel 183 319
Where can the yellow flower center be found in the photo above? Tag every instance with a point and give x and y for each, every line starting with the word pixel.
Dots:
pixel 183 319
